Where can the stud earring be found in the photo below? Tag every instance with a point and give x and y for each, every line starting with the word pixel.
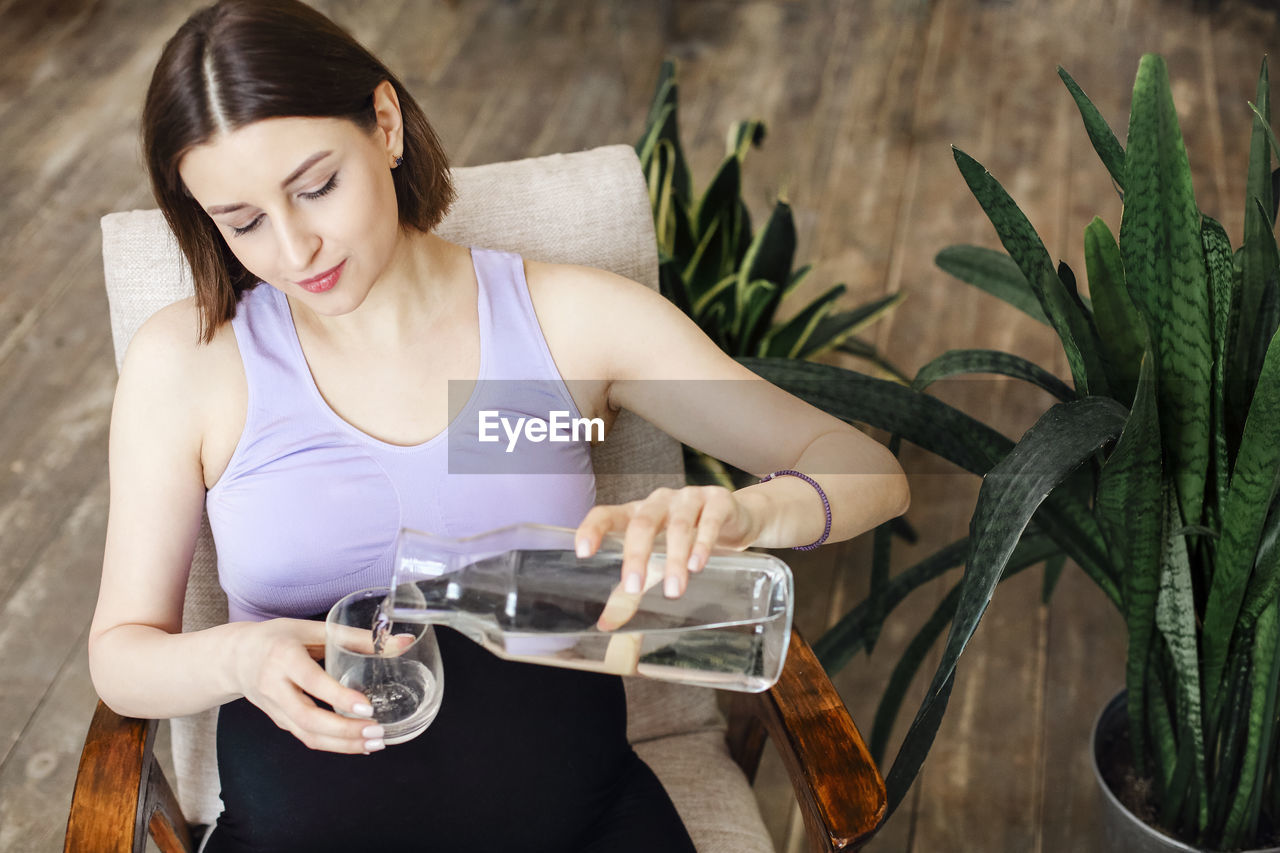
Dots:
pixel 399 160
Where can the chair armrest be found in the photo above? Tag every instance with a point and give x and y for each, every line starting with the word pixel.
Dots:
pixel 839 789
pixel 121 792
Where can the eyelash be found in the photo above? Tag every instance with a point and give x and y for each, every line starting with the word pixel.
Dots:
pixel 323 191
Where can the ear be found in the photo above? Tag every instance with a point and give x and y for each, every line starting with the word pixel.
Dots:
pixel 386 108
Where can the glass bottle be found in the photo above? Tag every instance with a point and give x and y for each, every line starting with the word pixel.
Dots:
pixel 523 593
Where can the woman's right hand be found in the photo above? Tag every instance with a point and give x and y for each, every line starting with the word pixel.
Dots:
pixel 275 667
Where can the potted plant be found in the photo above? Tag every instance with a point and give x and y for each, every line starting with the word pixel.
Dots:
pixel 1157 473
pixel 730 280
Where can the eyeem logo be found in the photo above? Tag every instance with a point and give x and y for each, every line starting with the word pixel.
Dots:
pixel 537 429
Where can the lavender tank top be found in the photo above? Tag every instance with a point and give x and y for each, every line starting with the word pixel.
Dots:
pixel 309 506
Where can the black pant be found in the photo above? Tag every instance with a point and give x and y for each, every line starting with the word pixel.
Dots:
pixel 520 758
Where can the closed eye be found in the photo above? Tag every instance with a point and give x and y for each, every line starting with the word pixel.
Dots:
pixel 329 187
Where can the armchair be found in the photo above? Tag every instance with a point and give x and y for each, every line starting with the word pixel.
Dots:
pixel 592 208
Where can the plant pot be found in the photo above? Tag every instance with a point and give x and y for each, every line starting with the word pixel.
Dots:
pixel 1124 831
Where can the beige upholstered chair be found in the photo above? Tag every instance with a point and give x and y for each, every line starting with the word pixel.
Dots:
pixel 591 208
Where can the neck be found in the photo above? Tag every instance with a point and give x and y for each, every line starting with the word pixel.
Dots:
pixel 412 293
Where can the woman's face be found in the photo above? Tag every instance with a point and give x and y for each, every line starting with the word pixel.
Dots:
pixel 297 199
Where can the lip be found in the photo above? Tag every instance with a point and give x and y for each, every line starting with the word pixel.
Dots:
pixel 324 281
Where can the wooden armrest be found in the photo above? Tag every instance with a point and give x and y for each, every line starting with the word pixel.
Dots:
pixel 121 792
pixel 839 789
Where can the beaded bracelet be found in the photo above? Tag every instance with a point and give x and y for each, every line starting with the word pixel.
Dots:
pixel 826 506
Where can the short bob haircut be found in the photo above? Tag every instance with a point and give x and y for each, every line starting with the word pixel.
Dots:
pixel 241 61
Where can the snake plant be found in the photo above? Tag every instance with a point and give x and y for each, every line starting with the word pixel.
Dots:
pixel 1157 472
pixel 730 280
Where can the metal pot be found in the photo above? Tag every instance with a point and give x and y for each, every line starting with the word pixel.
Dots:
pixel 1124 832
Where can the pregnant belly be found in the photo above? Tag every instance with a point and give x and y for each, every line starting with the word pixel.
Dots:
pixel 520 757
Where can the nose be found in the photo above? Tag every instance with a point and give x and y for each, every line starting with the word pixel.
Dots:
pixel 299 243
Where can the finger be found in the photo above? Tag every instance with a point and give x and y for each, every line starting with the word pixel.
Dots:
pixel 309 632
pixel 682 523
pixel 314 681
pixel 324 730
pixel 622 605
pixel 351 638
pixel 637 543
pixel 718 507
pixel 599 521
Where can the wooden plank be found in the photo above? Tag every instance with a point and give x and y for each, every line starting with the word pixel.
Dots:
pixel 1086 647
pixel 858 129
pixel 936 211
pixel 1240 34
pixel 51 604
pixel 36 778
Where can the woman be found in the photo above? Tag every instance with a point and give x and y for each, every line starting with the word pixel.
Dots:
pixel 301 395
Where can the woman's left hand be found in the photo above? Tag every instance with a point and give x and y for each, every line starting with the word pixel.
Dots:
pixel 695 518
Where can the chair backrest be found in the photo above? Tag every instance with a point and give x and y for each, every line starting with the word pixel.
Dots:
pixel 589 207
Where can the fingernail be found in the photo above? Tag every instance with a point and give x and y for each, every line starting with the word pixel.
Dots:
pixel 584 547
pixel 693 562
pixel 672 586
pixel 633 584
pixel 374 745
pixel 372 731
pixel 362 710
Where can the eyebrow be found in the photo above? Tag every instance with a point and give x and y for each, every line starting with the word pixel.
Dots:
pixel 293 176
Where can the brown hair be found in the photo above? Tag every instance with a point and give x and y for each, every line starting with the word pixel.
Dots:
pixel 240 61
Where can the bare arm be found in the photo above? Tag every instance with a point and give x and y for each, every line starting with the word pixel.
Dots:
pixel 141 663
pixel 664 368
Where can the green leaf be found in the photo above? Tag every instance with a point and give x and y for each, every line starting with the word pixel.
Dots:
pixel 1260 267
pixel 720 292
pixel 848 635
pixel 758 300
pixel 967 361
pixel 703 270
pixel 771 252
pixel 862 349
pixel 1225 318
pixel 1128 508
pixel 1165 274
pixel 996 273
pixel 1231 738
pixel 1264 583
pixel 671 284
pixel 1052 572
pixel 905 671
pixel 1064 437
pixel 1024 246
pixel 1253 487
pixel 1121 329
pixel 788 339
pixel 1243 816
pixel 940 429
pixel 1176 619
pixel 742 136
pixel 881 554
pixel 1100 134
pixel 662 124
pixel 1264 124
pixel 721 198
pixel 921 419
pixel 833 329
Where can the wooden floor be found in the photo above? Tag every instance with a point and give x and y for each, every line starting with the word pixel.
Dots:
pixel 862 101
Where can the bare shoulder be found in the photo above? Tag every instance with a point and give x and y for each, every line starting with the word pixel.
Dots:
pixel 198 388
pixel 575 306
pixel 591 308
pixel 167 345
pixel 633 331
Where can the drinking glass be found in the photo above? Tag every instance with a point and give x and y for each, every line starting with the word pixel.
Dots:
pixel 405 683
